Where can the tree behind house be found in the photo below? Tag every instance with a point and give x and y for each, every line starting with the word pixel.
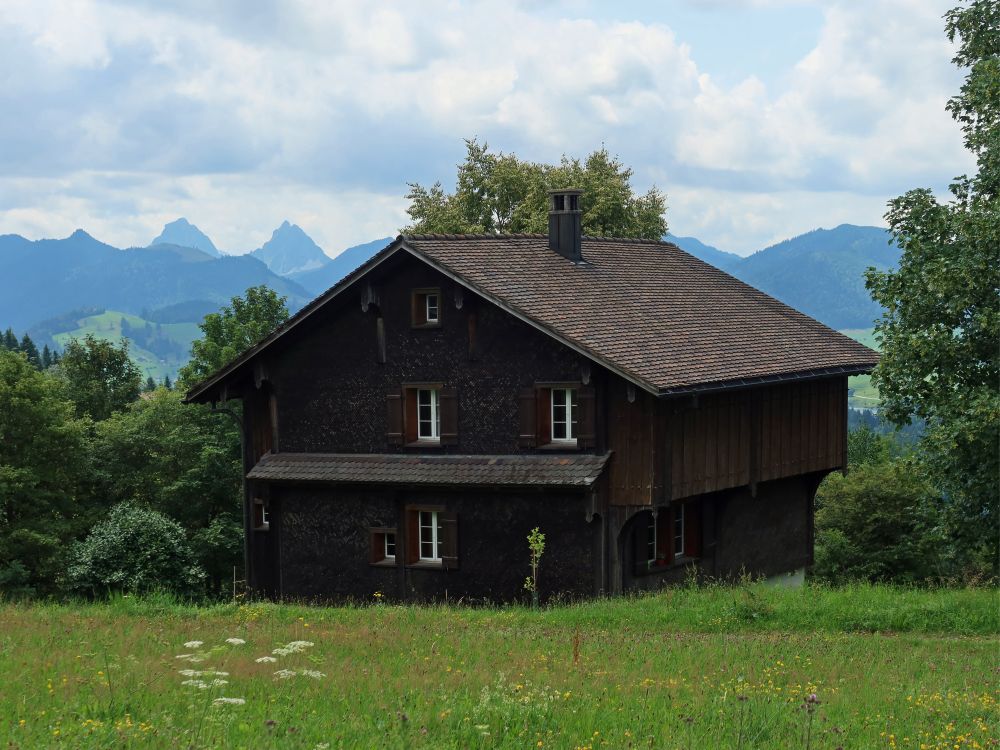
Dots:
pixel 499 193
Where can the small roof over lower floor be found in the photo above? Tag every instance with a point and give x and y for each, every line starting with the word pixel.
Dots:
pixel 422 470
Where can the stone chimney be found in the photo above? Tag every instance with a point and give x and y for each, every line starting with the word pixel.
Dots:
pixel 565 223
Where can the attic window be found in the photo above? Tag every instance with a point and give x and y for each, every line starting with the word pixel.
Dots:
pixel 426 307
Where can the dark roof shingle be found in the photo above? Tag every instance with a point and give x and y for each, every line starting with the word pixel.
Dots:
pixel 509 470
pixel 647 308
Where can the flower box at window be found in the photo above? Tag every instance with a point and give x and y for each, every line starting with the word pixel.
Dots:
pixel 425 415
pixel 557 416
pixel 431 537
pixel 383 546
pixel 426 308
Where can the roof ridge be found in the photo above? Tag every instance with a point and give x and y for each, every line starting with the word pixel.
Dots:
pixel 418 236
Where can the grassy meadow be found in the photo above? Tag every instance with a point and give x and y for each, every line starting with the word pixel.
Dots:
pixel 744 667
pixel 863 393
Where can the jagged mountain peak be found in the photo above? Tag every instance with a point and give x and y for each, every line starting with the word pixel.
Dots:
pixel 183 233
pixel 290 250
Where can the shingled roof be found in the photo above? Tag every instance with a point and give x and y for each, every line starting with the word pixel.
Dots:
pixel 484 471
pixel 647 310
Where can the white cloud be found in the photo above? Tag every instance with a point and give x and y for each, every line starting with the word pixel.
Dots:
pixel 320 112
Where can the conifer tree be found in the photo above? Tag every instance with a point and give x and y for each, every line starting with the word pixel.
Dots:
pixel 46 357
pixel 150 384
pixel 166 382
pixel 30 350
pixel 10 340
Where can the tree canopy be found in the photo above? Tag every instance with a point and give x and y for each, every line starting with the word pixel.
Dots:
pixel 231 331
pixel 941 328
pixel 499 193
pixel 100 376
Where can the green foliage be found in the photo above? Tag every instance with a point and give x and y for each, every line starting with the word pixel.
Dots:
pixel 231 331
pixel 536 548
pixel 645 674
pixel 134 550
pixel 866 447
pixel 182 461
pixel 942 322
pixel 100 377
pixel 499 193
pixel 878 523
pixel 41 465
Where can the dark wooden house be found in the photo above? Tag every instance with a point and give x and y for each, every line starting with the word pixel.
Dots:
pixel 651 414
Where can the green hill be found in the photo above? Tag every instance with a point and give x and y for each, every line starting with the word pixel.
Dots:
pixel 863 394
pixel 157 348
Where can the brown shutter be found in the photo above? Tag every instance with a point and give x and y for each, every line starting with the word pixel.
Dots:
pixel 394 418
pixel 412 536
pixel 585 405
pixel 449 540
pixel 448 404
pixel 692 530
pixel 410 415
pixel 543 401
pixel 420 309
pixel 528 435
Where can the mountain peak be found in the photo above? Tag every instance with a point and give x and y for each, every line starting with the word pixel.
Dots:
pixel 290 250
pixel 79 234
pixel 185 234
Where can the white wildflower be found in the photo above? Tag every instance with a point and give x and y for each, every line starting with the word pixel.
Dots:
pixel 311 673
pixel 218 683
pixel 297 646
pixel 281 651
pixel 229 701
pixel 189 672
pixel 200 684
pixel 284 674
pixel 194 644
pixel 322 746
pixel 266 660
pixel 183 656
pixel 212 673
pixel 235 641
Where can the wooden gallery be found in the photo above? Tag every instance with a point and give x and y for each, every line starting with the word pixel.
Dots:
pixel 652 415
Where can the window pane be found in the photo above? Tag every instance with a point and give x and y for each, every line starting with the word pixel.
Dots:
pixel 432 308
pixel 429 527
pixel 390 545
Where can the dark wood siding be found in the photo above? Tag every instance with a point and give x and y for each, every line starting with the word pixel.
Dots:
pixel 632 437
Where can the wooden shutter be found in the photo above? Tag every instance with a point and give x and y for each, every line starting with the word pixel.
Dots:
pixel 420 309
pixel 543 401
pixel 692 529
pixel 527 435
pixel 394 418
pixel 449 540
pixel 410 415
pixel 586 417
pixel 412 536
pixel 448 404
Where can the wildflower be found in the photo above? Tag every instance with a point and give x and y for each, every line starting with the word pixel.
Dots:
pixel 312 673
pixel 218 683
pixel 229 701
pixel 284 674
pixel 189 672
pixel 281 652
pixel 194 644
pixel 235 641
pixel 200 684
pixel 266 660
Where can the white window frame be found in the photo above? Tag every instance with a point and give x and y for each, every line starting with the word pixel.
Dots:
pixel 679 519
pixel 434 541
pixel 568 393
pixel 385 546
pixel 436 318
pixel 435 416
pixel 651 541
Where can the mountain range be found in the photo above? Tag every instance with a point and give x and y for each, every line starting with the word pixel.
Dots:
pixel 55 286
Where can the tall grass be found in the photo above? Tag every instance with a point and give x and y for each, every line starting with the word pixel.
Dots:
pixel 717 667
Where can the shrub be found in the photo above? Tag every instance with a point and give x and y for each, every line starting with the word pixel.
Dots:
pixel 878 523
pixel 134 550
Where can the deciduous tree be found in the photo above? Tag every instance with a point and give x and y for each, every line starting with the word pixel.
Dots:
pixel 499 193
pixel 100 376
pixel 233 330
pixel 941 328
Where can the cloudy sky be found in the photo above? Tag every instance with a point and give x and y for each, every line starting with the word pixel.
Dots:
pixel 760 119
